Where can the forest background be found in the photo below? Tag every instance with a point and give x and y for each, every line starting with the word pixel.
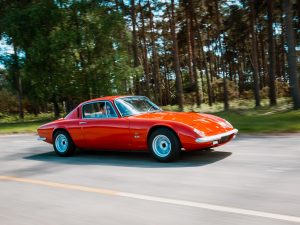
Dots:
pixel 238 59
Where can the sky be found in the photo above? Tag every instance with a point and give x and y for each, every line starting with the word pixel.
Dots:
pixel 4 49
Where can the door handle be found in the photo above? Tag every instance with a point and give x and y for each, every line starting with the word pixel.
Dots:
pixel 80 123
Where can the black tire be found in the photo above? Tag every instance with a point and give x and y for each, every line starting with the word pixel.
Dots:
pixel 63 144
pixel 164 145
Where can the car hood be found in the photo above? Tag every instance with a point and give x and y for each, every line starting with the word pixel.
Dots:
pixel 207 123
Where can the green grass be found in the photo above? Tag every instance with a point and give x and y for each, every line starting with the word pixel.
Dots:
pixel 274 122
pixel 11 124
pixel 19 127
pixel 242 115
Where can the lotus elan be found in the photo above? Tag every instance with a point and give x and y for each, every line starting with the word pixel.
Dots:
pixel 134 123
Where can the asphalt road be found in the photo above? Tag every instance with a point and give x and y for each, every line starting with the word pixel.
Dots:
pixel 252 180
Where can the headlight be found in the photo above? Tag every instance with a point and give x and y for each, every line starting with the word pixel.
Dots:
pixel 225 124
pixel 228 124
pixel 200 133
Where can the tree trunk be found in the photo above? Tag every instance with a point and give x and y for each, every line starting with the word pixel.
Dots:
pixel 179 88
pixel 225 89
pixel 167 77
pixel 272 60
pixel 221 60
pixel 189 47
pixel 18 82
pixel 191 36
pixel 201 53
pixel 56 107
pixel 20 97
pixel 241 78
pixel 259 62
pixel 145 54
pixel 282 50
pixel 213 73
pixel 156 70
pixel 291 54
pixel 264 74
pixel 134 46
pixel 254 55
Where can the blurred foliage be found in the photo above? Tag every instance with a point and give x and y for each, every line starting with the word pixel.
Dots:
pixel 66 51
pixel 8 103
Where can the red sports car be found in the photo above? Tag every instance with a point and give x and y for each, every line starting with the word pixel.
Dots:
pixel 134 123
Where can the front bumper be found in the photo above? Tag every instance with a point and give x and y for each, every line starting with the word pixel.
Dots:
pixel 41 138
pixel 216 138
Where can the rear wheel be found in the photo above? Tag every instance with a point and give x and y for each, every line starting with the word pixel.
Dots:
pixel 164 145
pixel 63 144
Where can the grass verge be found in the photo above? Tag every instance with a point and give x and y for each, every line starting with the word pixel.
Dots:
pixel 277 122
pixel 13 125
pixel 19 127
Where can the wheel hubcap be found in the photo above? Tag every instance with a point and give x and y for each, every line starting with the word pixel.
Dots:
pixel 161 145
pixel 61 143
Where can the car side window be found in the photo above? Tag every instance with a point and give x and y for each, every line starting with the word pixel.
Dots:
pixel 110 111
pixel 122 109
pixel 99 110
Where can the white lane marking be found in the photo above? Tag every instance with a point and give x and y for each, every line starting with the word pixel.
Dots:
pixel 280 169
pixel 213 207
pixel 156 199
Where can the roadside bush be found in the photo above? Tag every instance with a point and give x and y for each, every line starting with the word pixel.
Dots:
pixel 8 103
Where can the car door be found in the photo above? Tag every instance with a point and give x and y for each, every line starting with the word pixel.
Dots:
pixel 102 128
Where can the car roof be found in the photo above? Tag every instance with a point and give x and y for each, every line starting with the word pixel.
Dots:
pixel 110 98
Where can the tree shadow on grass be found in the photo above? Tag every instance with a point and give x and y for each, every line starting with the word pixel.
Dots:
pixel 131 159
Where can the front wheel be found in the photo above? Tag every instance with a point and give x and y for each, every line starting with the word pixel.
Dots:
pixel 63 144
pixel 164 145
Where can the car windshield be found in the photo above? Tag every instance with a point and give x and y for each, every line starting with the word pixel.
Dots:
pixel 129 106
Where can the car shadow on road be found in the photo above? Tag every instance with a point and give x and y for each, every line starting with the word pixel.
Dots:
pixel 131 159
